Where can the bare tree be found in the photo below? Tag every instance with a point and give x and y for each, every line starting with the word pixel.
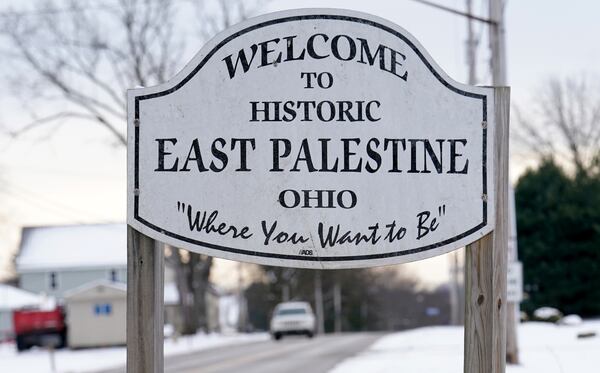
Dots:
pixel 563 122
pixel 76 60
pixel 192 273
pixel 73 60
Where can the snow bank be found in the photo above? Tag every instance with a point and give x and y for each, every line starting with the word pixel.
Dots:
pixel 12 298
pixel 91 360
pixel 544 348
pixel 73 246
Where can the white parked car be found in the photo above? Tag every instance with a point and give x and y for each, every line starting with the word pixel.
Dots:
pixel 292 318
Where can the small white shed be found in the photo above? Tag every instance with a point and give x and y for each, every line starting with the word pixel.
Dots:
pixel 12 298
pixel 96 314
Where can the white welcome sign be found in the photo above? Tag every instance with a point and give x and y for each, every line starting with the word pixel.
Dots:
pixel 312 138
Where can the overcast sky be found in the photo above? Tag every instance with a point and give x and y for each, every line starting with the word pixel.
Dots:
pixel 75 177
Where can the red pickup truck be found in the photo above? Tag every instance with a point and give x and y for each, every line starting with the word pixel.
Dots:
pixel 35 327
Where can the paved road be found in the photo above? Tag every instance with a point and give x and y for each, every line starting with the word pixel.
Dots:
pixel 291 355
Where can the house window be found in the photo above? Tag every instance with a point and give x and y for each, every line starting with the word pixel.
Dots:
pixel 53 281
pixel 113 275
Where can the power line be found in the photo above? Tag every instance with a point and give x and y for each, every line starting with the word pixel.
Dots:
pixel 46 208
pixel 40 201
pixel 457 12
pixel 104 176
pixel 50 11
pixel 61 205
pixel 72 9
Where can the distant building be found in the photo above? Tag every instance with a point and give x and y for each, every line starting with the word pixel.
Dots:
pixel 55 259
pixel 96 314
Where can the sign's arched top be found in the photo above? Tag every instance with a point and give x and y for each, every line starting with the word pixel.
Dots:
pixel 312 138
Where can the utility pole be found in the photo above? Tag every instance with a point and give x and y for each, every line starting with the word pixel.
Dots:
pixel 337 304
pixel 457 302
pixel 285 292
pixel 496 27
pixel 242 305
pixel 287 276
pixel 455 298
pixel 513 309
pixel 499 78
pixel 472 44
pixel 319 302
pixel 497 44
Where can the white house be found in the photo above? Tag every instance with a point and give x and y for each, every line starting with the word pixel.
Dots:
pixel 12 299
pixel 55 259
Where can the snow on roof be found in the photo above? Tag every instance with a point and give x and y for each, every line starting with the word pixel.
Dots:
pixel 170 297
pixel 13 298
pixel 119 286
pixel 293 305
pixel 72 247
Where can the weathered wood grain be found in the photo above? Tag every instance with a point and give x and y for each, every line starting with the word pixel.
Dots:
pixel 485 267
pixel 512 342
pixel 145 279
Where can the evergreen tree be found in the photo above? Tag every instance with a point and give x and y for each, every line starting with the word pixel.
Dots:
pixel 558 222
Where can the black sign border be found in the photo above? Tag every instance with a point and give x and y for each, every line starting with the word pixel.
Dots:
pixel 299 257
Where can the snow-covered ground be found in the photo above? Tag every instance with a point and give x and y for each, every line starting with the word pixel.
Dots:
pixel 544 348
pixel 90 360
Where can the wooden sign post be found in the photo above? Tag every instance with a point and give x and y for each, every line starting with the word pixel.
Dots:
pixel 485 267
pixel 318 138
pixel 145 311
